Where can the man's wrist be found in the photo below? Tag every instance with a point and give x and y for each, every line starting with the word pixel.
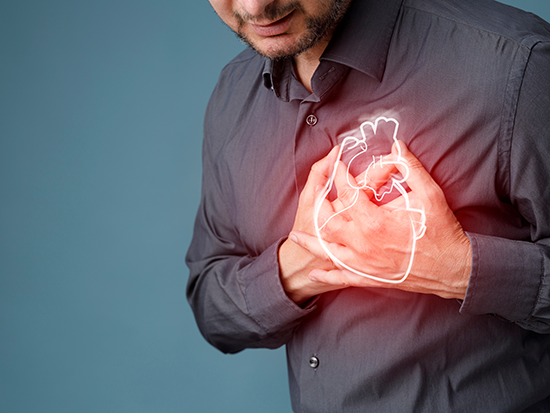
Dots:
pixel 293 271
pixel 464 268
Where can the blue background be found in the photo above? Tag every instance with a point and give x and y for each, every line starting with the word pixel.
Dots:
pixel 101 107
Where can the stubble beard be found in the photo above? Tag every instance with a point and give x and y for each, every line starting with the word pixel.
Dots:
pixel 317 26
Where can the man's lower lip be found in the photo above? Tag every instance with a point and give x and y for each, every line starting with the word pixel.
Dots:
pixel 273 29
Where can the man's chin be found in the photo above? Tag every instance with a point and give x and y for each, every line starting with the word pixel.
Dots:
pixel 279 47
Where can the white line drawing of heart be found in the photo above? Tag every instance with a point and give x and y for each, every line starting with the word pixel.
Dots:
pixel 418 227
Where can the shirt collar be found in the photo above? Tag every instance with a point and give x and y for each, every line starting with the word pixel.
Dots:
pixel 361 41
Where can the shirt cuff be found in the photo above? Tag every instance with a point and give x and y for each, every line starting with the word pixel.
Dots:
pixel 266 299
pixel 505 277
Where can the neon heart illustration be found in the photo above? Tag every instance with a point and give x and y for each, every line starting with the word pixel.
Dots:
pixel 356 150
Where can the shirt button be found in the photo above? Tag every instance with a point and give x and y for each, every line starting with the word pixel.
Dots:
pixel 311 120
pixel 313 362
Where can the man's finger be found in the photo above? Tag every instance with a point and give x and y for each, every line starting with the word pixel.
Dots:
pixel 320 172
pixel 349 192
pixel 341 278
pixel 417 178
pixel 309 243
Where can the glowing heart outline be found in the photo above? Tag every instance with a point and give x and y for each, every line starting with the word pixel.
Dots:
pixel 418 227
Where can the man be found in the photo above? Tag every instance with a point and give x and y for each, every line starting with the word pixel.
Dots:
pixel 468 83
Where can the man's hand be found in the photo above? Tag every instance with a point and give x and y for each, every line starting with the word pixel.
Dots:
pixel 374 238
pixel 296 262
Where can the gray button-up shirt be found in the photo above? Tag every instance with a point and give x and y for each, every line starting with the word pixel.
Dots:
pixel 469 83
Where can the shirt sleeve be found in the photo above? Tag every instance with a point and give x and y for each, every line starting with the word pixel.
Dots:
pixel 511 278
pixel 237 297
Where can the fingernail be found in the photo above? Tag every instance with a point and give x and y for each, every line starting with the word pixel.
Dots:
pixel 293 238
